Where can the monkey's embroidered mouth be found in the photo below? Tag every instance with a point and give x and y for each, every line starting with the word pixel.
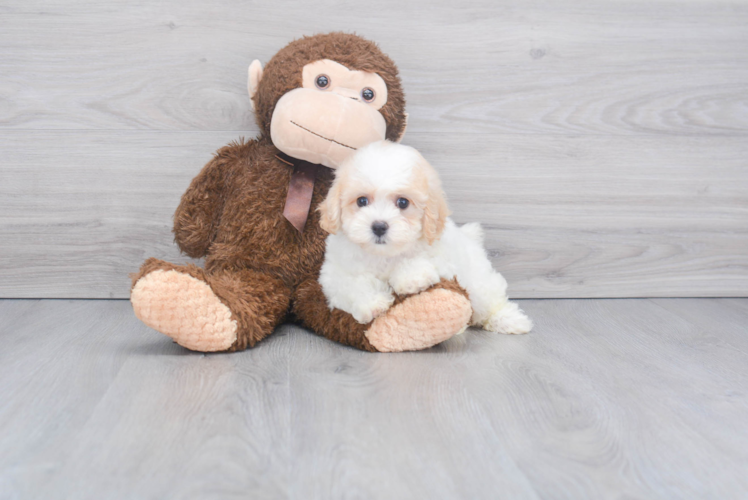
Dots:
pixel 322 136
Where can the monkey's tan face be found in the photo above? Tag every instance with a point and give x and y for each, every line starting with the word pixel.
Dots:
pixel 333 113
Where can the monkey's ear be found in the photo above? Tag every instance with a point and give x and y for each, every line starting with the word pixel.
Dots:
pixel 404 128
pixel 255 75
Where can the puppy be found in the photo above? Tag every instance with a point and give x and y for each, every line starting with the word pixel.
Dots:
pixel 389 232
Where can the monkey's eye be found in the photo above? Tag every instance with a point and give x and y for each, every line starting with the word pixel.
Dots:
pixel 368 94
pixel 402 203
pixel 362 201
pixel 322 81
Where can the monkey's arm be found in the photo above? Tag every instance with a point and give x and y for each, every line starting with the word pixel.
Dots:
pixel 197 217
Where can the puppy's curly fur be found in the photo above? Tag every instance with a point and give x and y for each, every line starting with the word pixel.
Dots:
pixel 391 234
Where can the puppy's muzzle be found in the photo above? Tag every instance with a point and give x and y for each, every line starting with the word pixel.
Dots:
pixel 379 228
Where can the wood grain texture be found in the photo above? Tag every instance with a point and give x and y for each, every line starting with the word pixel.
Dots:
pixel 97 405
pixel 629 398
pixel 602 145
pixel 565 215
pixel 563 67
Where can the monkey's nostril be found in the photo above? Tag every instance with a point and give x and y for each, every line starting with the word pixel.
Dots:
pixel 379 228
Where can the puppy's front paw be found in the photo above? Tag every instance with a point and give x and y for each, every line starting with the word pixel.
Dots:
pixel 365 311
pixel 415 280
pixel 509 320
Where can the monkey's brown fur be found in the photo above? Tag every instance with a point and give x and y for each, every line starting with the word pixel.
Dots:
pixel 256 262
pixel 283 74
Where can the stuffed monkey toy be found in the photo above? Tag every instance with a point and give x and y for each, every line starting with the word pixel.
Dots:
pixel 251 212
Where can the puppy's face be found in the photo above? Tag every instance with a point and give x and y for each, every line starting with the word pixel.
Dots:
pixel 385 198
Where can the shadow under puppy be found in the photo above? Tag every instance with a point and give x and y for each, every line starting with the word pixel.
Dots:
pixel 389 232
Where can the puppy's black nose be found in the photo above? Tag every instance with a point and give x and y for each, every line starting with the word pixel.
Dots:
pixel 379 228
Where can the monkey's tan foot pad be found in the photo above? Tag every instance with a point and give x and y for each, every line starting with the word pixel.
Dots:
pixel 421 321
pixel 185 309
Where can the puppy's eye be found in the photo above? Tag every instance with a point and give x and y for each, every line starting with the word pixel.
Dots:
pixel 402 203
pixel 322 81
pixel 362 201
pixel 368 94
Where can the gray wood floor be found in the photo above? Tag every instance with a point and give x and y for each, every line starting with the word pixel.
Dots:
pixel 628 398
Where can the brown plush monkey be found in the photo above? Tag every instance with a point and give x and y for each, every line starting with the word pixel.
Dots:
pixel 251 212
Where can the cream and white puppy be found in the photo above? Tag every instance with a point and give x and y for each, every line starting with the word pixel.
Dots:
pixel 389 232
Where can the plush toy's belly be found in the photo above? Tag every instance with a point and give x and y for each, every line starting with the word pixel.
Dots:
pixel 254 234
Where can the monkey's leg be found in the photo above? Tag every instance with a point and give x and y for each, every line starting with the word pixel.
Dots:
pixel 414 322
pixel 221 311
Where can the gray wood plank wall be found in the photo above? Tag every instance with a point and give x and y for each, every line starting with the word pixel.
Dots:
pixel 603 145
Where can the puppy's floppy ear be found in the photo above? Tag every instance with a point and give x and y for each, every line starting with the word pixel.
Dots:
pixel 331 208
pixel 436 212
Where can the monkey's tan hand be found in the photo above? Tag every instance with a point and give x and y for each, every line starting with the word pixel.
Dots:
pixel 423 320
